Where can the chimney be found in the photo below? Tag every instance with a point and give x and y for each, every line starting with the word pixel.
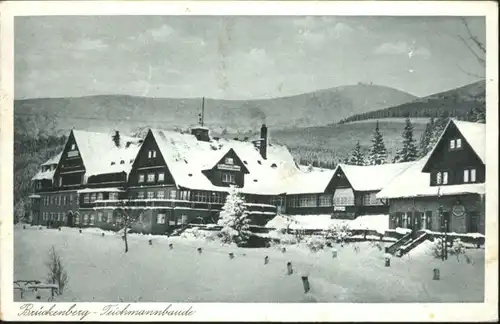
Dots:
pixel 116 138
pixel 263 141
pixel 201 133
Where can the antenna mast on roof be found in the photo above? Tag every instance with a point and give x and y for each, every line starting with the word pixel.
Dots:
pixel 202 114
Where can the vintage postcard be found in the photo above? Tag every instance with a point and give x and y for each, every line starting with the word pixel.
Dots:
pixel 249 161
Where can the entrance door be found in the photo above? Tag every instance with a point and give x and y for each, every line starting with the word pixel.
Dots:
pixel 445 222
pixel 70 219
pixel 473 222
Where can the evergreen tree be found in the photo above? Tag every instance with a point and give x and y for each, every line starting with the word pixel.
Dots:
pixel 378 152
pixel 426 137
pixel 357 157
pixel 437 130
pixel 234 219
pixel 408 152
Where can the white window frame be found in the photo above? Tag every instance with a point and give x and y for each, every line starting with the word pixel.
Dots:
pixel 445 177
pixel 173 194
pixel 151 177
pixel 473 175
pixel 160 218
pixel 452 144
pixel 439 178
pixel 86 198
pixel 100 196
pixel 73 146
pixel 93 197
pixel 140 195
pixel 92 219
pixel 160 194
pixel 161 176
pixel 141 178
pixel 99 216
pixel 113 196
pixel 228 177
pixel 458 143
pixel 466 176
pixel 229 160
pixel 151 195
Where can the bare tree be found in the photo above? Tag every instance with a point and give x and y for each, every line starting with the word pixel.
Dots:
pixel 475 46
pixel 128 220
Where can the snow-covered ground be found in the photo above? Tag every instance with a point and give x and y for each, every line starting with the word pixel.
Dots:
pixel 379 223
pixel 99 270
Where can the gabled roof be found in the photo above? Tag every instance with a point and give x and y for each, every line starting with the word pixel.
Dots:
pixel 53 160
pixel 308 182
pixel 474 134
pixel 100 155
pixel 415 183
pixel 186 157
pixel 372 177
pixel 49 174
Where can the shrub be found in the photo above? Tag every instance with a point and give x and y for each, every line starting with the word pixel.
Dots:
pixel 339 232
pixel 316 243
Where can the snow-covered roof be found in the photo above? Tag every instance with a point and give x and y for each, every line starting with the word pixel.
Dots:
pixel 372 177
pixel 47 174
pixel 100 155
pixel 187 157
pixel 53 160
pixel 475 134
pixel 308 182
pixel 90 190
pixel 415 183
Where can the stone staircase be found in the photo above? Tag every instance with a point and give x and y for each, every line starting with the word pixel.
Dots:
pixel 407 243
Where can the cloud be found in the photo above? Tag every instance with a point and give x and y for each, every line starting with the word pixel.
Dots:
pixel 402 47
pixel 340 29
pixel 89 45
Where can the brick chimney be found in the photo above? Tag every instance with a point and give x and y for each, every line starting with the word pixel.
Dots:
pixel 263 141
pixel 201 133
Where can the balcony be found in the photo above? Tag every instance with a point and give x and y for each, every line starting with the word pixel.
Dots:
pixel 153 203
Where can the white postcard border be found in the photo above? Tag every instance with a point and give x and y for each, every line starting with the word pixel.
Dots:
pixel 254 311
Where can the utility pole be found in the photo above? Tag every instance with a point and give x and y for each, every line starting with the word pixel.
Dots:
pixel 202 114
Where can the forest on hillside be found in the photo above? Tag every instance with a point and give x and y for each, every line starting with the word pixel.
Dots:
pixel 458 103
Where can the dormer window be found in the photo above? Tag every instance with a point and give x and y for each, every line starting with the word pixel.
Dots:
pixel 112 162
pixel 456 144
pixel 228 177
pixel 229 161
pixel 122 162
pixel 73 147
pixel 152 154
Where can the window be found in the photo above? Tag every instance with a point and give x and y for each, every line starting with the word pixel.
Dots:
pixel 93 197
pixel 151 195
pixel 39 184
pixel 370 199
pixel 73 146
pixel 100 196
pixel 113 196
pixel 86 198
pixel 200 196
pixel 445 177
pixel 325 200
pixel 77 219
pixel 141 177
pixel 161 177
pixel 452 144
pixel 152 154
pixel 160 194
pixel 160 219
pixel 439 178
pixel 99 216
pixel 70 199
pixel 173 194
pixel 184 195
pixel 151 177
pixel 228 177
pixel 308 201
pixel 343 197
pixel 85 219
pixel 110 217
pixel 140 195
pixel 459 143
pixel 455 144
pixel 473 175
pixel 92 219
pixel 228 161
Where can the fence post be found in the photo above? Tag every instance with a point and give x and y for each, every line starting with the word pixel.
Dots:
pixel 436 274
pixel 171 246
pixel 334 253
pixel 231 255
pixel 289 268
pixel 305 282
pixel 266 260
pixel 387 258
pixel 283 249
pixel 150 242
pixel 199 250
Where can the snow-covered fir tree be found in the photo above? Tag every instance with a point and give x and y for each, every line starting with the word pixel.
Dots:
pixel 378 152
pixel 357 157
pixel 408 152
pixel 426 137
pixel 437 129
pixel 234 219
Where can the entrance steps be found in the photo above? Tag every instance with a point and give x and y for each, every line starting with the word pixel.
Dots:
pixel 407 243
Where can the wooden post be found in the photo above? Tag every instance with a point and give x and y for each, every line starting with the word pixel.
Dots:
pixel 59 229
pixel 289 268
pixel 231 255
pixel 199 250
pixel 305 282
pixel 387 258
pixel 334 254
pixel 80 231
pixel 150 242
pixel 171 246
pixel 102 234
pixel 436 274
pixel 24 226
pixel 283 249
pixel 266 260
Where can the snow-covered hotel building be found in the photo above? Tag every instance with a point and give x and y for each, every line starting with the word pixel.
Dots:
pixel 169 178
pixel 445 190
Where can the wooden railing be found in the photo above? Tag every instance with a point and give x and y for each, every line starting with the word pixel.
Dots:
pixel 402 241
pixel 414 243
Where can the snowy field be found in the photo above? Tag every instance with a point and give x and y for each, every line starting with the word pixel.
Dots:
pixel 99 270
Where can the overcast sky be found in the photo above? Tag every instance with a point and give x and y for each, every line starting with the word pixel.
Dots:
pixel 238 57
